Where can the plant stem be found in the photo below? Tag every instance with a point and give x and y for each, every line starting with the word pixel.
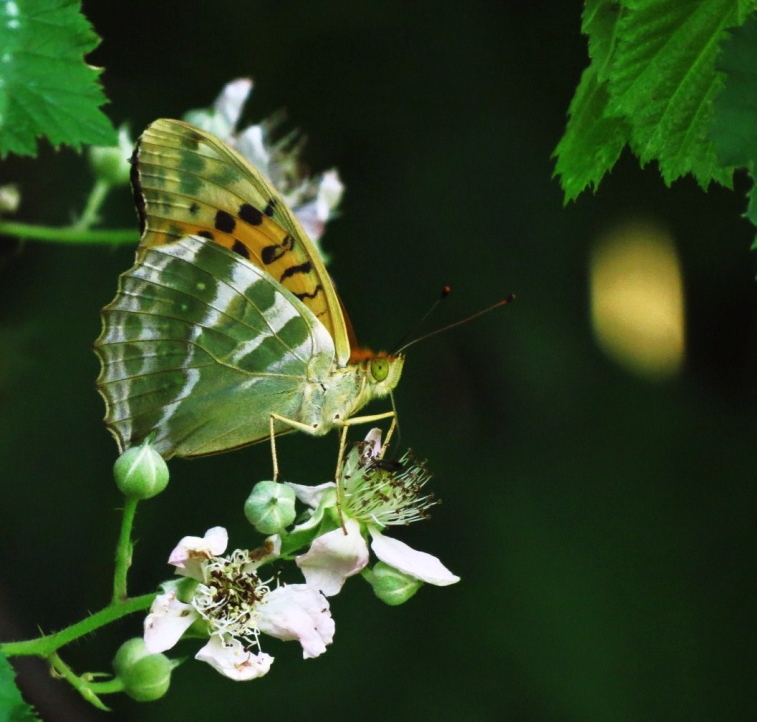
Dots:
pixel 79 684
pixel 124 551
pixel 68 234
pixel 94 201
pixel 47 645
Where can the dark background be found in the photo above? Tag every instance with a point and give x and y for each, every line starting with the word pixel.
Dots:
pixel 603 525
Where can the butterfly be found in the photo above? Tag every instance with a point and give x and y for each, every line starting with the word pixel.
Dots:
pixel 228 329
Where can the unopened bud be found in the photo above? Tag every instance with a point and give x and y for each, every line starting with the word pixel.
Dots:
pixel 145 676
pixel 111 163
pixel 141 472
pixel 390 585
pixel 270 507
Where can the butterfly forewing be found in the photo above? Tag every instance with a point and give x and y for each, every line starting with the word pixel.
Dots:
pixel 202 346
pixel 187 181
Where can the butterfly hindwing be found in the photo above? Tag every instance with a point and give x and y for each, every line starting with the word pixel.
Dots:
pixel 187 181
pixel 202 346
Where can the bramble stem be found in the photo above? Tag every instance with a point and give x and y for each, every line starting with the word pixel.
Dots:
pixel 68 234
pixel 96 198
pixel 124 551
pixel 49 644
pixel 79 684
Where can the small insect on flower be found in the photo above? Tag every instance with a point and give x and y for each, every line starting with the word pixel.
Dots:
pixel 373 494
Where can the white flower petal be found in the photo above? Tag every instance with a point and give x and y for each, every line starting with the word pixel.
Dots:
pixel 333 557
pixel 330 190
pixel 167 621
pixel 311 495
pixel 229 103
pixel 372 449
pixel 251 144
pixel 417 564
pixel 191 551
pixel 300 612
pixel 229 657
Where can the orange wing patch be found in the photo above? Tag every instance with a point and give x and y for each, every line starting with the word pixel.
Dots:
pixel 188 182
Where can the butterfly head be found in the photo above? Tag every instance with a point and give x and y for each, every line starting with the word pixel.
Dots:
pixel 382 370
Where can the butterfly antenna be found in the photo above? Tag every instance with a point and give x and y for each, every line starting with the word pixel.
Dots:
pixel 503 302
pixel 446 290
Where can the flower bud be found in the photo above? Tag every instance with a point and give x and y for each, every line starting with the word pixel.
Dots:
pixel 111 163
pixel 141 472
pixel 270 506
pixel 146 677
pixel 391 585
pixel 10 198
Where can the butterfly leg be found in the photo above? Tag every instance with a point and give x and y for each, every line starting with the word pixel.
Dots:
pixel 274 455
pixel 338 474
pixel 392 428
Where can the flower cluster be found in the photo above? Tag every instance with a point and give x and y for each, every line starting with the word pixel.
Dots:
pixel 314 200
pixel 225 600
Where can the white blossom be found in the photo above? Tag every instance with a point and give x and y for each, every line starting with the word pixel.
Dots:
pixel 371 496
pixel 225 596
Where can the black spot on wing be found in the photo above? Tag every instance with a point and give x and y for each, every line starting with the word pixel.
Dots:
pixel 269 254
pixel 225 222
pixel 194 208
pixel 250 214
pixel 207 234
pixel 269 209
pixel 294 270
pixel 240 249
pixel 316 291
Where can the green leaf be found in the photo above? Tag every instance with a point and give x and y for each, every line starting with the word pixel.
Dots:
pixel 13 708
pixel 651 84
pixel 599 21
pixel 664 81
pixel 734 126
pixel 46 88
pixel 592 141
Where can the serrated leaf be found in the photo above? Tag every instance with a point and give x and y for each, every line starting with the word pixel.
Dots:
pixel 599 21
pixel 734 123
pixel 664 81
pixel 46 88
pixel 592 141
pixel 13 708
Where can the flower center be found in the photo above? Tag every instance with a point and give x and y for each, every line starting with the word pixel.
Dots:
pixel 230 596
pixel 385 492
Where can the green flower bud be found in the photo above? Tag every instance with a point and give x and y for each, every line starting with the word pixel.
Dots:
pixel 145 676
pixel 10 198
pixel 270 506
pixel 111 163
pixel 141 472
pixel 391 585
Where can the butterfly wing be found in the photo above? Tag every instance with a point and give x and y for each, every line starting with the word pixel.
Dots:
pixel 187 181
pixel 201 346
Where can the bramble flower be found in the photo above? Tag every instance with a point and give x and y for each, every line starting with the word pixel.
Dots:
pixel 224 597
pixel 314 200
pixel 372 495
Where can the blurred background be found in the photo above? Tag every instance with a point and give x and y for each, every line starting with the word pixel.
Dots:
pixel 593 443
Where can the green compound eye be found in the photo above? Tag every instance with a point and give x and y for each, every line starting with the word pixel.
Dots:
pixel 379 368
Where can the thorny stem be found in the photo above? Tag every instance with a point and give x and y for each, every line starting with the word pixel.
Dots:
pixel 49 644
pixel 124 551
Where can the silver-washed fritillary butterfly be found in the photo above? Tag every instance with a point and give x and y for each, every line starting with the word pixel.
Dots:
pixel 228 327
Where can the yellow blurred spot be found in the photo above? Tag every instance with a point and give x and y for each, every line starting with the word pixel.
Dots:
pixel 637 299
